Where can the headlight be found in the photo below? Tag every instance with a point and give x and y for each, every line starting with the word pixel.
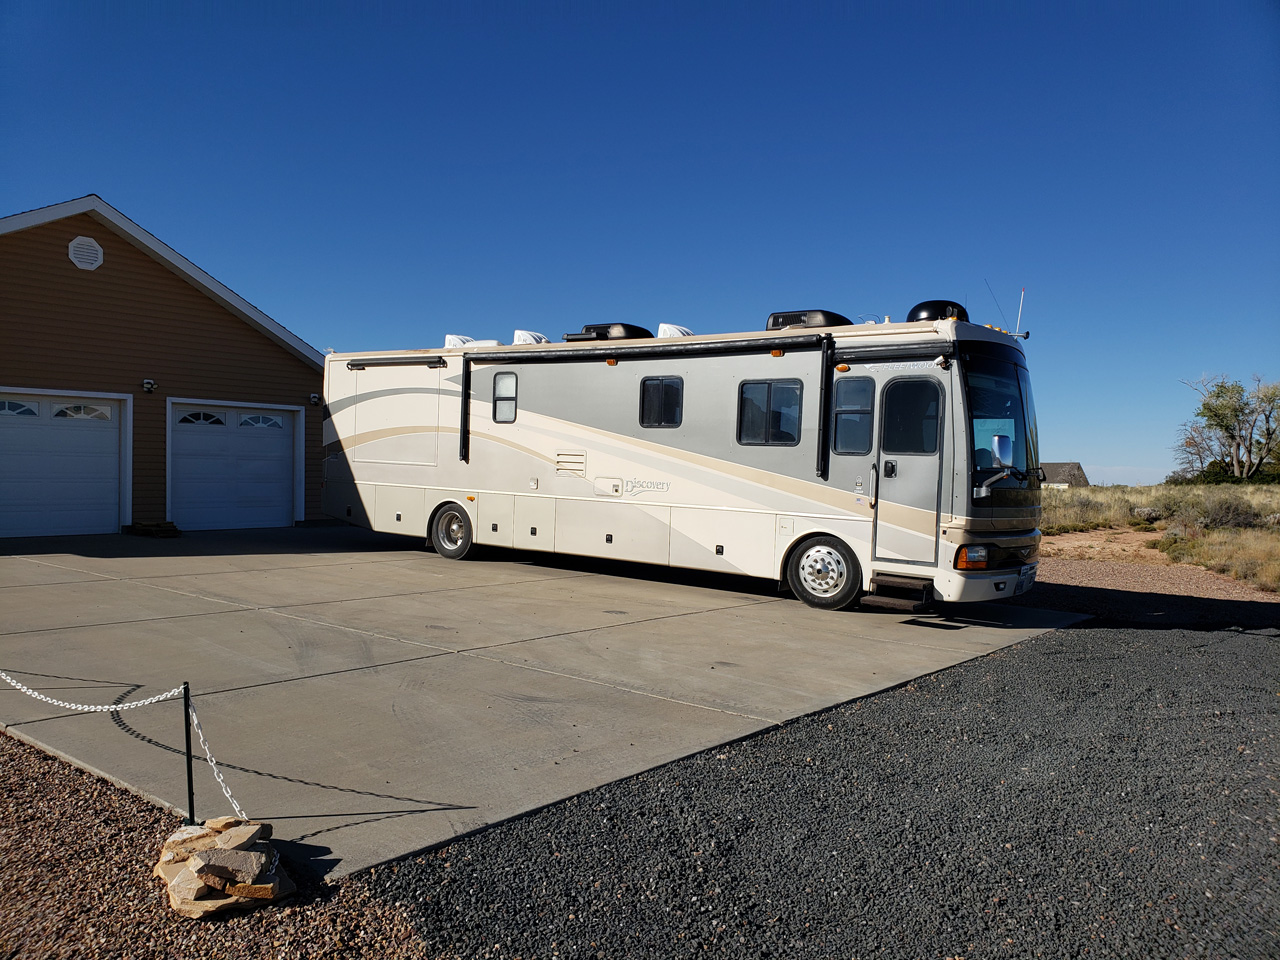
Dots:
pixel 971 557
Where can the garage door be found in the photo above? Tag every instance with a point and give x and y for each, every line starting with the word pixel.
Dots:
pixel 231 467
pixel 59 465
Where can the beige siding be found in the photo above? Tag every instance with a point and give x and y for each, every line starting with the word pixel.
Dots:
pixel 107 329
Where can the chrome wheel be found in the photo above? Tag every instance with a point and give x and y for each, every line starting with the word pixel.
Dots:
pixel 451 532
pixel 823 571
pixel 452 529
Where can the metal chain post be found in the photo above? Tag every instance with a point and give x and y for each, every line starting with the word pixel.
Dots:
pixel 189 710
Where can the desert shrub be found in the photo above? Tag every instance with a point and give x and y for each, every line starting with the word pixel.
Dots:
pixel 1252 555
pixel 1226 507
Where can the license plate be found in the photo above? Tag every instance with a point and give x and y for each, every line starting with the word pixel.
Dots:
pixel 1026 577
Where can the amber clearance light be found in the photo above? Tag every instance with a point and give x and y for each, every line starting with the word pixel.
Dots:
pixel 971 558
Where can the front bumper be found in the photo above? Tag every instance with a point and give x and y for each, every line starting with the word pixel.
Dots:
pixel 970 586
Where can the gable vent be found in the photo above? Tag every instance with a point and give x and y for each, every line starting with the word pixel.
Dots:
pixel 85 253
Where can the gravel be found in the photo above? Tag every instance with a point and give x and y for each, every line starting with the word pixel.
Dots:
pixel 1106 791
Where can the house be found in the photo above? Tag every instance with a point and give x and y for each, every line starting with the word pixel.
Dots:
pixel 1060 476
pixel 135 388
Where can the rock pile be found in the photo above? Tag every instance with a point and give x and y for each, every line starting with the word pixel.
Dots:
pixel 225 864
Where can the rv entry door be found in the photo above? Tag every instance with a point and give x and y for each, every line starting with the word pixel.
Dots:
pixel 908 466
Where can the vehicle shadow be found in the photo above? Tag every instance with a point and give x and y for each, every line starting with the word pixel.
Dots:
pixel 315 538
pixel 1150 611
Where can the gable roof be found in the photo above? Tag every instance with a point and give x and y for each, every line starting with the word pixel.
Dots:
pixel 1070 473
pixel 117 222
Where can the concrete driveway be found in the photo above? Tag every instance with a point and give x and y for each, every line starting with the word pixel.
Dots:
pixel 371 699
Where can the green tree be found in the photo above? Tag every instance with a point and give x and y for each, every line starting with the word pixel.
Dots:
pixel 1234 426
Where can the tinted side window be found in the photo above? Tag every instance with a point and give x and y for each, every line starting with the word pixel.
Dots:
pixel 769 412
pixel 661 401
pixel 852 409
pixel 504 398
pixel 910 412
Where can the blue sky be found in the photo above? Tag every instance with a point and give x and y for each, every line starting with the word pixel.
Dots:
pixel 375 176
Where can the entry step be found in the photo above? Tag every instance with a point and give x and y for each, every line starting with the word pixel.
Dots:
pixel 880 602
pixel 895 592
pixel 895 582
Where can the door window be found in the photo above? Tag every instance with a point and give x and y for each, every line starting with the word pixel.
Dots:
pixel 911 415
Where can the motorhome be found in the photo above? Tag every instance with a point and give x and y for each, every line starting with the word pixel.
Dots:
pixel 884 463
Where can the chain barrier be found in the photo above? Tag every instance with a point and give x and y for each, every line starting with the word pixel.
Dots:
pixel 112 707
pixel 213 765
pixel 88 708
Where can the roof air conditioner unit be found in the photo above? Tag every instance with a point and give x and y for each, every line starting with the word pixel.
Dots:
pixel 673 330
pixel 456 340
pixel 528 336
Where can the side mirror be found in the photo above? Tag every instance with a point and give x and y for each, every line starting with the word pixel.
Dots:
pixel 1002 450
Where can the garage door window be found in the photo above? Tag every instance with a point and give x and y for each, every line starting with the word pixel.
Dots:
pixel 16 408
pixel 203 417
pixel 262 420
pixel 82 411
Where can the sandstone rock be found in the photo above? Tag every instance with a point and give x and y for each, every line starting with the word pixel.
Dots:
pixel 185 841
pixel 213 880
pixel 240 837
pixel 224 823
pixel 183 834
pixel 265 887
pixel 214 903
pixel 185 885
pixel 167 871
pixel 242 866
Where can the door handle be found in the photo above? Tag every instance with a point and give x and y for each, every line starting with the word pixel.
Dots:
pixel 890 469
pixel 875 485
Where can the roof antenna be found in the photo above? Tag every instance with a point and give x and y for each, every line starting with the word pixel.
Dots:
pixel 1020 299
pixel 993 297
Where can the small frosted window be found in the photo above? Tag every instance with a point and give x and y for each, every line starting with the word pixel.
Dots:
pixel 504 398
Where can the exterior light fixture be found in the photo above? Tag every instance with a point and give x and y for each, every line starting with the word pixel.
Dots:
pixel 149 385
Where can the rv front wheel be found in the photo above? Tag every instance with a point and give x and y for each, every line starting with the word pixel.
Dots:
pixel 823 572
pixel 451 532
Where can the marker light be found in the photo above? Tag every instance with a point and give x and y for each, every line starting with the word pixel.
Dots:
pixel 842 367
pixel 611 362
pixel 775 353
pixel 971 557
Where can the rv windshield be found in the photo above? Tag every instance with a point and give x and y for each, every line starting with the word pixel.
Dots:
pixel 1000 403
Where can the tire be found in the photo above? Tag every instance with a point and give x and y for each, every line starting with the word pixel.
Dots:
pixel 451 532
pixel 824 573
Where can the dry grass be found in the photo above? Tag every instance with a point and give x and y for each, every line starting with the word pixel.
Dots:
pixel 1252 555
pixel 1229 529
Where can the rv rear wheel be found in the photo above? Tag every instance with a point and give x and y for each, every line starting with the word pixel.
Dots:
pixel 451 532
pixel 823 572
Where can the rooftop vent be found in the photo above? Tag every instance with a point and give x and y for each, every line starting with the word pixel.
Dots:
pixel 610 331
pixel 806 318
pixel 528 336
pixel 85 253
pixel 938 310
pixel 673 330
